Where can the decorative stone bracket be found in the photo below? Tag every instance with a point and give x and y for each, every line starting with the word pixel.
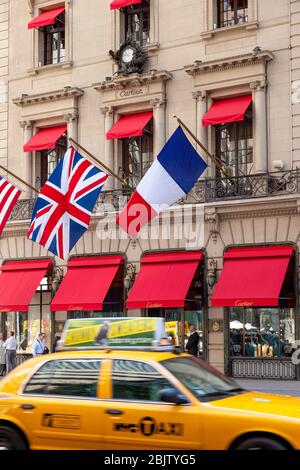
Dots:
pixel 213 220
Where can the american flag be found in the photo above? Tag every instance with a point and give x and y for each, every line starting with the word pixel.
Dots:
pixel 65 203
pixel 8 198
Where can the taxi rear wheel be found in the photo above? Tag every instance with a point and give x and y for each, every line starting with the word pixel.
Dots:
pixel 11 439
pixel 261 443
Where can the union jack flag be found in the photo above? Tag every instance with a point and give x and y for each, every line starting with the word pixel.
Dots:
pixel 8 198
pixel 65 203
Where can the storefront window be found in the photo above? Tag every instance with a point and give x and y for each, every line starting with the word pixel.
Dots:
pixel 262 332
pixel 27 324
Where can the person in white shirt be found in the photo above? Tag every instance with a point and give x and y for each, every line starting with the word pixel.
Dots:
pixel 11 350
pixel 38 345
pixel 2 356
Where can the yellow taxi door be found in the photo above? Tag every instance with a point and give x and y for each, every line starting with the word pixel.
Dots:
pixel 60 407
pixel 135 418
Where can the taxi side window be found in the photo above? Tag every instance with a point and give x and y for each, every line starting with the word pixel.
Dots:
pixel 133 380
pixel 76 378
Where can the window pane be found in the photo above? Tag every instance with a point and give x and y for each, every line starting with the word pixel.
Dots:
pixel 262 332
pixel 231 12
pixel 198 377
pixel 77 378
pixel 134 380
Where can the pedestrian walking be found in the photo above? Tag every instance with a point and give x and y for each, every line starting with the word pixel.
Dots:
pixel 192 344
pixel 56 340
pixel 11 352
pixel 2 356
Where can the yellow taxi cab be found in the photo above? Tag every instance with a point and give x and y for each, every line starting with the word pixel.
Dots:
pixel 138 399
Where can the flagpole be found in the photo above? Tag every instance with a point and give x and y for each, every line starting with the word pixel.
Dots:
pixel 18 178
pixel 213 159
pixel 99 162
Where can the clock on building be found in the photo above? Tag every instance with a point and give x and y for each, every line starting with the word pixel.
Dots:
pixel 130 58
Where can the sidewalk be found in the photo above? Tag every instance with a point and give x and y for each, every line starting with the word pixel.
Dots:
pixel 283 387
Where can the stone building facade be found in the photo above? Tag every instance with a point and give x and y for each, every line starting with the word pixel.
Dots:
pixel 200 52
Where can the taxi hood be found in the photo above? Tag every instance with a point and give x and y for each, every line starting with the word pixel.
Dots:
pixel 262 403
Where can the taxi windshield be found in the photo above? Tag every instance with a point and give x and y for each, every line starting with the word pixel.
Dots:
pixel 200 379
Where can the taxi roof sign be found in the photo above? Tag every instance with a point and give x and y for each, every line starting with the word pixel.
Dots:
pixel 115 333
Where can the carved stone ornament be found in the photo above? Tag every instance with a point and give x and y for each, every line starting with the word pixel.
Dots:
pixel 130 58
pixel 214 224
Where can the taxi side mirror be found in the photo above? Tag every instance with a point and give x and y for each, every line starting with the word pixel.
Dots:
pixel 171 395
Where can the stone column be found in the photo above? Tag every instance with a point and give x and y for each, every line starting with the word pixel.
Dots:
pixel 201 132
pixel 260 126
pixel 108 156
pixel 27 135
pixel 72 122
pixel 159 124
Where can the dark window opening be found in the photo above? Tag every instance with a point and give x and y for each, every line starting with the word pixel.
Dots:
pixel 232 12
pixel 234 146
pixel 50 160
pixel 137 22
pixel 137 156
pixel 54 40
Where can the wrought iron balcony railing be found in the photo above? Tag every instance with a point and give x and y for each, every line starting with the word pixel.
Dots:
pixel 208 190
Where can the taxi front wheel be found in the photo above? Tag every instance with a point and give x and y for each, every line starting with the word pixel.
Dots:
pixel 11 439
pixel 261 443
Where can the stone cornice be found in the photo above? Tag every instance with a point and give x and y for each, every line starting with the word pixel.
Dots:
pixel 67 92
pixel 119 83
pixel 247 209
pixel 244 60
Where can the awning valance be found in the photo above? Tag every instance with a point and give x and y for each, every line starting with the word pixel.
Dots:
pixel 46 18
pixel 19 281
pixel 131 125
pixel 230 110
pixel 86 283
pixel 252 277
pixel 45 139
pixel 164 280
pixel 123 3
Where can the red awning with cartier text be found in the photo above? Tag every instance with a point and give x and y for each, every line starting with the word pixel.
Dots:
pixel 230 110
pixel 86 283
pixel 164 280
pixel 45 139
pixel 19 281
pixel 252 277
pixel 46 18
pixel 123 3
pixel 131 125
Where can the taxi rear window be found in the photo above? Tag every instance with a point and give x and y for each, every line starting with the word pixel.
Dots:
pixel 76 378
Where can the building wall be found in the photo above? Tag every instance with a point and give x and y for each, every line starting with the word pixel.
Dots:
pixel 182 32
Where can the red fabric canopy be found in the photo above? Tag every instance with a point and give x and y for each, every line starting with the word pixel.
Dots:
pixel 46 18
pixel 164 280
pixel 86 283
pixel 131 125
pixel 19 281
pixel 45 139
pixel 231 110
pixel 123 3
pixel 252 277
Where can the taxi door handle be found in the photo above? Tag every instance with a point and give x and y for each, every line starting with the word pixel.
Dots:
pixel 114 412
pixel 26 406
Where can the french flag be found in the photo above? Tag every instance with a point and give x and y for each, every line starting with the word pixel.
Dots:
pixel 170 178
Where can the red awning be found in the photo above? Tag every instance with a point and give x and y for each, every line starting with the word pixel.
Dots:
pixel 252 277
pixel 131 125
pixel 46 18
pixel 45 139
pixel 86 283
pixel 231 110
pixel 164 280
pixel 19 281
pixel 123 3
